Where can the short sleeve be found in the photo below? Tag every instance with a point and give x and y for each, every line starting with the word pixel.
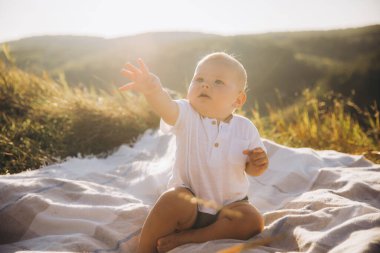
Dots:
pixel 184 107
pixel 255 141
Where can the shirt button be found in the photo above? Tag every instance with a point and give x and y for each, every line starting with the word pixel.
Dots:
pixel 216 144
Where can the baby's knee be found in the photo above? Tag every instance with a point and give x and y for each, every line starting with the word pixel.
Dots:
pixel 251 225
pixel 175 197
pixel 175 205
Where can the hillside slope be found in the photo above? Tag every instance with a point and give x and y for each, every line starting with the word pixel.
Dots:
pixel 278 64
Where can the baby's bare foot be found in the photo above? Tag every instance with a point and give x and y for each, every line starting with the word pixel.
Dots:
pixel 169 242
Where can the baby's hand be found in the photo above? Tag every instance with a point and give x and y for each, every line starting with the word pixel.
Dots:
pixel 142 80
pixel 258 161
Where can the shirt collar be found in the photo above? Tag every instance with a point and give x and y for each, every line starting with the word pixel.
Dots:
pixel 226 120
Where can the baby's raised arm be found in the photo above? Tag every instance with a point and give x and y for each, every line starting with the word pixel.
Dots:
pixel 150 86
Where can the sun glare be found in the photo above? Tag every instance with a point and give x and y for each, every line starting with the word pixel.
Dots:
pixel 113 18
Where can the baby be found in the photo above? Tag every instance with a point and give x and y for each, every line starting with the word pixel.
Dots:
pixel 216 149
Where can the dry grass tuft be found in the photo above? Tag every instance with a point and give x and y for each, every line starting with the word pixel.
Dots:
pixel 324 122
pixel 44 120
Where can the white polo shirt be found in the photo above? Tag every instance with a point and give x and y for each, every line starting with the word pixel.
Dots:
pixel 209 158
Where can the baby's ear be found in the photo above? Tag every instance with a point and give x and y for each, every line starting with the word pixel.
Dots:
pixel 240 100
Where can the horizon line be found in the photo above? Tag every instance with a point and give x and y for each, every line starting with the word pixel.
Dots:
pixel 94 35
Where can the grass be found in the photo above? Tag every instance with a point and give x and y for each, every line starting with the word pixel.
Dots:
pixel 43 121
pixel 328 121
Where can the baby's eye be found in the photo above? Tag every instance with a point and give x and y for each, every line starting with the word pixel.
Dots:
pixel 199 79
pixel 219 82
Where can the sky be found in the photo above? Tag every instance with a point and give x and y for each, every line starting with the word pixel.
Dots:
pixel 117 18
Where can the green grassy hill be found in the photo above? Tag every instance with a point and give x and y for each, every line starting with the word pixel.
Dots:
pixel 278 64
pixel 43 121
pixel 314 89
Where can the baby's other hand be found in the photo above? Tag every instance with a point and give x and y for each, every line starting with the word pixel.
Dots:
pixel 142 80
pixel 257 161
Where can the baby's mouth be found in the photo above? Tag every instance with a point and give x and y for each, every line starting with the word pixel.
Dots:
pixel 203 95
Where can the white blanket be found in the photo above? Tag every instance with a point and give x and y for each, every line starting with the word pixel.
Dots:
pixel 315 201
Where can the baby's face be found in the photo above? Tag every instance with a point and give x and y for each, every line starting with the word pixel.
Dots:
pixel 215 90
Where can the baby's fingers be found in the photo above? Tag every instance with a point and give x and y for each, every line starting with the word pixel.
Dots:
pixel 143 67
pixel 261 162
pixel 129 74
pixel 256 151
pixel 261 167
pixel 133 69
pixel 128 86
pixel 247 152
pixel 257 156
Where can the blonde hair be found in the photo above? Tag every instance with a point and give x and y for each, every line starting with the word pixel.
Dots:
pixel 232 61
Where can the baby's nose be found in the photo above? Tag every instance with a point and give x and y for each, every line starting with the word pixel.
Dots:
pixel 205 85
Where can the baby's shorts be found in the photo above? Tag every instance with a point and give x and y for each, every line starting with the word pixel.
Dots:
pixel 206 219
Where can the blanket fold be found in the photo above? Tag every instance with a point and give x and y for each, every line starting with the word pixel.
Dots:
pixel 317 201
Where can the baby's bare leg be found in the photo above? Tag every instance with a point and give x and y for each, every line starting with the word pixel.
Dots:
pixel 227 226
pixel 170 213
